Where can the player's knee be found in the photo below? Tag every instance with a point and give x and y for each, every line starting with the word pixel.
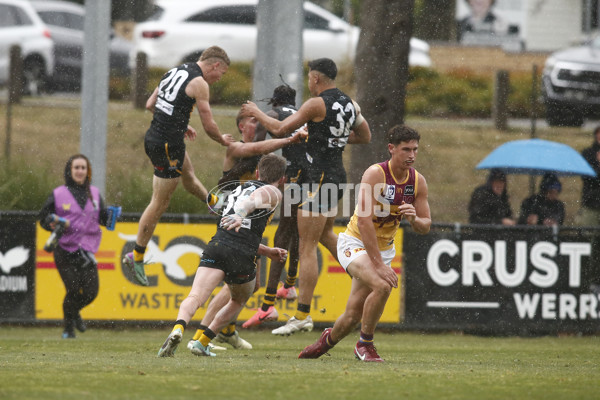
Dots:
pixel 193 301
pixel 353 317
pixel 382 288
pixel 238 302
pixel 160 205
pixel 187 182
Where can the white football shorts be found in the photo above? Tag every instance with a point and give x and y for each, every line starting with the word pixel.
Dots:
pixel 349 248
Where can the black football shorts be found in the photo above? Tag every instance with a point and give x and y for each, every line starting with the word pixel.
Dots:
pixel 239 267
pixel 166 158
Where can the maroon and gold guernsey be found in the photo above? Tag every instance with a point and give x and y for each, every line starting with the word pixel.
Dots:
pixel 392 195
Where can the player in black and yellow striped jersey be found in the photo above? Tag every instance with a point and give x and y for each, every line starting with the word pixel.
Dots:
pixel 239 166
pixel 171 103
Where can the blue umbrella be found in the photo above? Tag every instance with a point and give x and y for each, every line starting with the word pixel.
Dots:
pixel 536 157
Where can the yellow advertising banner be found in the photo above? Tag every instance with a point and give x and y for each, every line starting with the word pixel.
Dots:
pixel 174 253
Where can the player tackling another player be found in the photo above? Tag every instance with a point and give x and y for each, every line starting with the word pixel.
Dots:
pixel 389 192
pixel 230 255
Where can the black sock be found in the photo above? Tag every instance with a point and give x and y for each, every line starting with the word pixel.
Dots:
pixel 269 299
pixel 304 308
pixel 209 334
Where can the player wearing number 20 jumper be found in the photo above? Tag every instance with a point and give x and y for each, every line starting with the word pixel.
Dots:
pixel 172 103
pixel 164 140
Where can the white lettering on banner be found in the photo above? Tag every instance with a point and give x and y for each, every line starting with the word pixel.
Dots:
pixel 13 283
pixel 439 248
pixel 575 252
pixel 473 249
pixel 504 277
pixel 543 264
pixel 528 304
pixel 478 257
pixel 588 306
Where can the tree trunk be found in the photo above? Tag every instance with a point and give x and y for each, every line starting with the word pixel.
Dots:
pixel 435 20
pixel 381 71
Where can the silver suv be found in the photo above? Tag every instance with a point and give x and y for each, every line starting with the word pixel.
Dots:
pixel 20 24
pixel 571 85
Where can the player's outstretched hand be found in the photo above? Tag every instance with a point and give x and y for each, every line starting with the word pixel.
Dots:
pixel 227 139
pixel 299 136
pixel 277 254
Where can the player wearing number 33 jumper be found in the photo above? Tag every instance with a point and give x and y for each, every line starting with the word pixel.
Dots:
pixel 333 121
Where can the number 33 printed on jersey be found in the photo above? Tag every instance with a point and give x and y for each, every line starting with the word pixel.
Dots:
pixel 345 117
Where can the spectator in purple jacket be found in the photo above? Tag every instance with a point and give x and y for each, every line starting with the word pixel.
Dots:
pixel 78 207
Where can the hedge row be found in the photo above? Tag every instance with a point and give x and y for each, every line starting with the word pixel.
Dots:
pixel 459 93
pixel 463 93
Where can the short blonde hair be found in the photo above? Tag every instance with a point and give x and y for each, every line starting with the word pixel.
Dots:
pixel 214 54
pixel 271 168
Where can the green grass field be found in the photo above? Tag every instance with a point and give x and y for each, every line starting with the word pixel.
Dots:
pixel 122 364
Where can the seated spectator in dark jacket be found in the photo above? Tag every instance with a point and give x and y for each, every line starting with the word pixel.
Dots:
pixel 544 208
pixel 489 202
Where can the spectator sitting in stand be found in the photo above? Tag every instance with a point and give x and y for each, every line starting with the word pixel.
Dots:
pixel 489 202
pixel 544 208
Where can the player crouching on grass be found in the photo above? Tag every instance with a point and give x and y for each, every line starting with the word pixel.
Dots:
pixel 230 254
pixel 389 191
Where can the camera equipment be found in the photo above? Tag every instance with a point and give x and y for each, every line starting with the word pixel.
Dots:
pixel 56 233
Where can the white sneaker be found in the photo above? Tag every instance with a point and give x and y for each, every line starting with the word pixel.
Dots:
pixel 235 340
pixel 211 346
pixel 199 350
pixel 294 325
pixel 170 345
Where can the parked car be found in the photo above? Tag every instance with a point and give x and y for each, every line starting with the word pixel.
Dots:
pixel 180 30
pixel 65 22
pixel 20 25
pixel 571 84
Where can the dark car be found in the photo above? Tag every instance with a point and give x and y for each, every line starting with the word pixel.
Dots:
pixel 65 22
pixel 571 85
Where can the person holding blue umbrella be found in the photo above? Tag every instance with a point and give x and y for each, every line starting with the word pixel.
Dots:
pixel 489 202
pixel 544 208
